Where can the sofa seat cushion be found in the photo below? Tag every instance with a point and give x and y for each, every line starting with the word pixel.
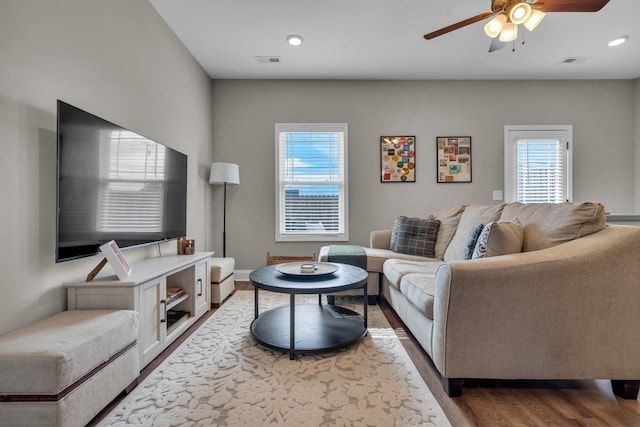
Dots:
pixel 48 356
pixel 550 224
pixel 376 257
pixel 419 289
pixel 395 269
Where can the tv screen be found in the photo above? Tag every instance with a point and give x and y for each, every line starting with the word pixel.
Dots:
pixel 114 184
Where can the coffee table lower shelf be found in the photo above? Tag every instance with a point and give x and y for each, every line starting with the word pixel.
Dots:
pixel 317 328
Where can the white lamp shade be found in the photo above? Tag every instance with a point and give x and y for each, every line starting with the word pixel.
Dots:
pixel 222 173
pixel 495 26
pixel 535 18
pixel 510 33
pixel 520 13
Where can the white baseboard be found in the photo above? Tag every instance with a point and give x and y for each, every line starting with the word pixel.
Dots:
pixel 242 275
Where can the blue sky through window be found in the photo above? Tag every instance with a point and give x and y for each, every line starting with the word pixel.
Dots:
pixel 312 163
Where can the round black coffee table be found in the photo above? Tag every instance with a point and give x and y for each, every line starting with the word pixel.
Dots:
pixel 308 328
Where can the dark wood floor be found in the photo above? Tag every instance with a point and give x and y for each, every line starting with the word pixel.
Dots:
pixel 493 403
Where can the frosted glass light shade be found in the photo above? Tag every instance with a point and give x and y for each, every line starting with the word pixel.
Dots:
pixel 535 18
pixel 222 173
pixel 618 41
pixel 510 33
pixel 520 13
pixel 495 26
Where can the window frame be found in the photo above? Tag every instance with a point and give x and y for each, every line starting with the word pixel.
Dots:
pixel 512 133
pixel 279 188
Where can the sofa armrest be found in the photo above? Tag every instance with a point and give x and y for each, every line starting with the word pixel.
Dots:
pixel 380 239
pixel 570 311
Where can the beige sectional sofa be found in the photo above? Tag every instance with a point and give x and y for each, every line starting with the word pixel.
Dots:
pixel 567 306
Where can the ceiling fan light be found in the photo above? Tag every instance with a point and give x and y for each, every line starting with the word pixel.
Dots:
pixel 510 33
pixel 520 13
pixel 534 20
pixel 618 41
pixel 495 26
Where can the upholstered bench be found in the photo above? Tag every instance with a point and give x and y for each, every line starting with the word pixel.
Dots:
pixel 63 370
pixel 222 279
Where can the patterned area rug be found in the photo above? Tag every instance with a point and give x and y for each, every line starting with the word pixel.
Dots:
pixel 220 377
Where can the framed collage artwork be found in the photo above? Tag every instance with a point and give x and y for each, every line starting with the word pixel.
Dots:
pixel 454 159
pixel 397 159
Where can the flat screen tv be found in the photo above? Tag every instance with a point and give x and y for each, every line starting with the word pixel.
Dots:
pixel 114 184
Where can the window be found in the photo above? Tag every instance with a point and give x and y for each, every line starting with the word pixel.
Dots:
pixel 537 164
pixel 311 182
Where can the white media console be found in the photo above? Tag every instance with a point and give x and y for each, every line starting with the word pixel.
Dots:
pixel 163 317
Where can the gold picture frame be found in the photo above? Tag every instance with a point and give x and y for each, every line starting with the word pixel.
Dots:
pixel 398 158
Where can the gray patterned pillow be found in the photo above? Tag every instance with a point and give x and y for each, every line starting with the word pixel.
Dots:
pixel 416 236
pixel 472 239
pixel 394 233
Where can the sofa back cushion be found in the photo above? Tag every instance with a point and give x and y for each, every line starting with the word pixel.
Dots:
pixel 470 218
pixel 550 224
pixel 449 217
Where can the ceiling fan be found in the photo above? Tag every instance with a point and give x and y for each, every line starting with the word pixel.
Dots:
pixel 508 14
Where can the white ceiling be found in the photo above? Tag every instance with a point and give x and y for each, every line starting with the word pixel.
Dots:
pixel 382 39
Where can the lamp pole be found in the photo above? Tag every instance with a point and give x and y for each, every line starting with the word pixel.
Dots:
pixel 224 173
pixel 224 223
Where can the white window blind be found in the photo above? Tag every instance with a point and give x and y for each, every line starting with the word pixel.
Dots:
pixel 538 164
pixel 311 196
pixel 540 171
pixel 132 168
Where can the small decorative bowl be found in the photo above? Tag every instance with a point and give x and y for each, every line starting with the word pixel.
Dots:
pixel 307 268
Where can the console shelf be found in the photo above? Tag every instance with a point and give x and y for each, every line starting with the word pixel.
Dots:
pixel 145 291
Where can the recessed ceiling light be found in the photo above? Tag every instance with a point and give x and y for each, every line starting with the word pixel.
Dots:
pixel 294 39
pixel 618 41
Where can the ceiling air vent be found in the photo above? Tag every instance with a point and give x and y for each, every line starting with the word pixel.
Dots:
pixel 268 59
pixel 576 60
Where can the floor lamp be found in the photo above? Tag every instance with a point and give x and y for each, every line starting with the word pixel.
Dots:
pixel 224 173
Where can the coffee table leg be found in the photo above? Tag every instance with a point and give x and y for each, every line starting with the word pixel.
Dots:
pixel 365 301
pixel 292 327
pixel 255 302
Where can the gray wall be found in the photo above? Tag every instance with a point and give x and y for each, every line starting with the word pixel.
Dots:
pixel 118 60
pixel 636 117
pixel 601 112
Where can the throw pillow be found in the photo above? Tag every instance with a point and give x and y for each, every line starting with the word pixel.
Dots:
pixel 472 239
pixel 416 236
pixel 394 233
pixel 499 238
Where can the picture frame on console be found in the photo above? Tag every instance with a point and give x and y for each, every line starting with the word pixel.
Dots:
pixel 116 259
pixel 454 159
pixel 398 158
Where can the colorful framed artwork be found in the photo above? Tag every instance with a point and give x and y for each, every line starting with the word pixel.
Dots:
pixel 397 159
pixel 454 159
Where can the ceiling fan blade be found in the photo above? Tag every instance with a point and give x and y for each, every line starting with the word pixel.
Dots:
pixel 570 5
pixel 457 25
pixel 496 45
